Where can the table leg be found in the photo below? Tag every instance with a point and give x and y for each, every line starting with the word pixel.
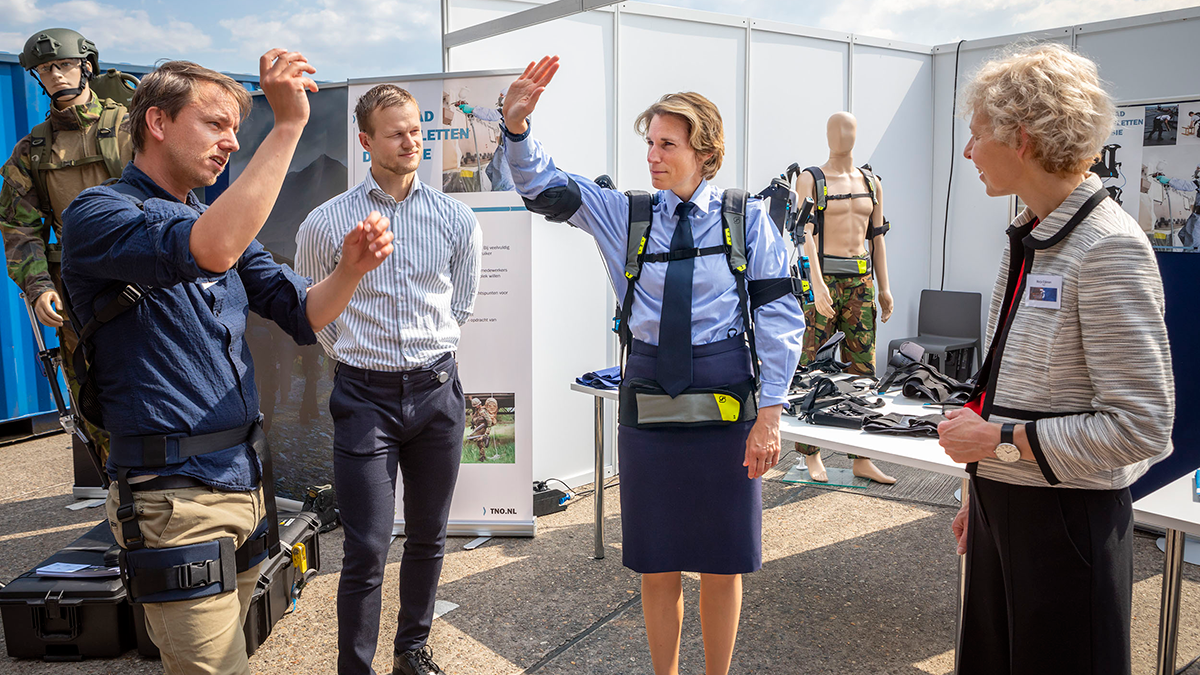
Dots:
pixel 962 585
pixel 1168 619
pixel 599 484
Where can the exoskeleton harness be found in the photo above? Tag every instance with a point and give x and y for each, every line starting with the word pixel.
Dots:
pixel 643 402
pixel 821 191
pixel 178 572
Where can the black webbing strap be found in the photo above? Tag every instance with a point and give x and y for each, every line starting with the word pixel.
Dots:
pixel 682 254
pixel 258 441
pixel 127 513
pixel 184 577
pixel 763 291
pixel 851 195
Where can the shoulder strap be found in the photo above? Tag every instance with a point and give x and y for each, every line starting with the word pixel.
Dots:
pixel 641 215
pixel 820 190
pixel 106 137
pixel 733 220
pixel 129 192
pixel 41 138
pixel 865 169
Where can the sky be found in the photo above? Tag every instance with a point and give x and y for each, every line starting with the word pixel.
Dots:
pixel 370 38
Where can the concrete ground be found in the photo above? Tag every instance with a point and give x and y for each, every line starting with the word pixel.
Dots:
pixel 852 581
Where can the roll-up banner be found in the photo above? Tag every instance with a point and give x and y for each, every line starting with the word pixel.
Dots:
pixel 462 155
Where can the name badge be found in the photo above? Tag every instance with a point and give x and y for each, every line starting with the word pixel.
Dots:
pixel 1043 290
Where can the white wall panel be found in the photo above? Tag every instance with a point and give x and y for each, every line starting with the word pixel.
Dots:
pixel 660 56
pixel 796 83
pixel 893 102
pixel 1153 61
pixel 574 123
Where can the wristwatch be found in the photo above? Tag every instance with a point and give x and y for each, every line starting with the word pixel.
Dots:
pixel 1007 451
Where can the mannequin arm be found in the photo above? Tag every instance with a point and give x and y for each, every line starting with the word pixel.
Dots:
pixel 883 290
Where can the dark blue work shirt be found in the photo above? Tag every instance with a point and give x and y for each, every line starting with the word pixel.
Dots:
pixel 178 361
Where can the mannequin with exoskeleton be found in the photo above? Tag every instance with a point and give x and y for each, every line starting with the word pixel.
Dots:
pixel 854 276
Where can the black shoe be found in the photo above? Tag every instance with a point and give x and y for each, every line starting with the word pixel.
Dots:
pixel 416 662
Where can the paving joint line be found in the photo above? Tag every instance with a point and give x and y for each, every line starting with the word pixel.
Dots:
pixel 557 651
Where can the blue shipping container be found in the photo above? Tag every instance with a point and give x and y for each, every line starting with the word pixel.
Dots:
pixel 26 391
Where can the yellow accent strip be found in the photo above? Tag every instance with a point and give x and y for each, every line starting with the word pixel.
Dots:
pixel 729 407
pixel 862 266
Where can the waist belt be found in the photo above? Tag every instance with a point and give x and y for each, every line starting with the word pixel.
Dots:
pixel 162 450
pixel 845 267
pixel 167 483
pixel 195 570
pixel 645 405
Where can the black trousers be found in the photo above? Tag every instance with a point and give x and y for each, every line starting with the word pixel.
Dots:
pixel 386 424
pixel 1049 578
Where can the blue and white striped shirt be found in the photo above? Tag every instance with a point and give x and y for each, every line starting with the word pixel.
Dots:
pixel 406 313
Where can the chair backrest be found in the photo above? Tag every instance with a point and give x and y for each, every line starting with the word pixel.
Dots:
pixel 949 313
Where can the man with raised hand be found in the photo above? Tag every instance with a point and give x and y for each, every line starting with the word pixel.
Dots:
pixel 160 287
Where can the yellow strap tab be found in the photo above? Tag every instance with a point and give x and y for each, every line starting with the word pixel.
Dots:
pixel 862 266
pixel 729 407
pixel 300 557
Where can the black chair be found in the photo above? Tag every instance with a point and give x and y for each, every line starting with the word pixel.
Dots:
pixel 948 322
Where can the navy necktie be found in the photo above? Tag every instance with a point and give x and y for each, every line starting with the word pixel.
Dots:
pixel 674 363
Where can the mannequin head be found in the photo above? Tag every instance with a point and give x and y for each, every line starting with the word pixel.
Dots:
pixel 841 131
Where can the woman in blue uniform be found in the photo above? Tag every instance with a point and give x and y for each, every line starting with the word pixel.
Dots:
pixel 691 493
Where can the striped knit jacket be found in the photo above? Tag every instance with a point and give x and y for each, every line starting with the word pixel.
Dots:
pixel 1091 380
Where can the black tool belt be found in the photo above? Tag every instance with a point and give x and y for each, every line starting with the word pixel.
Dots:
pixel 195 570
pixel 845 267
pixel 645 405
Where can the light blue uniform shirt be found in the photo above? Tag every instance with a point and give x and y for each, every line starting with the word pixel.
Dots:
pixel 716 313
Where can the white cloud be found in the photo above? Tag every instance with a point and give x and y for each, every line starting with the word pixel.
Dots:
pixel 354 38
pixel 113 29
pixel 20 11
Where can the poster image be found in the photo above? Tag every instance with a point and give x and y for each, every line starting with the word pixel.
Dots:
pixel 1162 125
pixel 1151 167
pixel 473 154
pixel 490 434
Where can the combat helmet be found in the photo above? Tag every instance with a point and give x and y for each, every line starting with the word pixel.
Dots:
pixel 53 44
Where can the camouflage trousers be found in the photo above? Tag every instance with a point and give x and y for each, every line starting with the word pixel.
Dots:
pixel 67 342
pixel 853 300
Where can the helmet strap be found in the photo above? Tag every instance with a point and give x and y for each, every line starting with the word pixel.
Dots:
pixel 85 75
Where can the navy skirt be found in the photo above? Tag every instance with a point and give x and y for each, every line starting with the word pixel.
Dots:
pixel 686 503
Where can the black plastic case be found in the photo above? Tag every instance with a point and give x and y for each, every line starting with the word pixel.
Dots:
pixel 69 619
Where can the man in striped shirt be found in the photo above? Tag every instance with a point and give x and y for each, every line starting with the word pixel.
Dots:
pixel 397 404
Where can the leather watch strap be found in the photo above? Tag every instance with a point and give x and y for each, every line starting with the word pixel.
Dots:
pixel 1006 433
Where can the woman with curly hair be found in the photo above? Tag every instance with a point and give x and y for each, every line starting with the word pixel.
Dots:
pixel 1075 398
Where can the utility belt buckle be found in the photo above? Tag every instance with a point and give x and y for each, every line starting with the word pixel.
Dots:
pixel 198 574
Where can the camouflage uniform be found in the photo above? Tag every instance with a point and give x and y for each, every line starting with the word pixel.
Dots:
pixel 32 259
pixel 853 300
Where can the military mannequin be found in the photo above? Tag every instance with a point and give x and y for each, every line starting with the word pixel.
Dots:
pixel 852 215
pixel 84 142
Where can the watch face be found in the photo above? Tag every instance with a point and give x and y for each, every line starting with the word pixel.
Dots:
pixel 1007 452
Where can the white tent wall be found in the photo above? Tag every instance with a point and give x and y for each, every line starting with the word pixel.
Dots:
pixel 892 99
pixel 569 285
pixel 1140 58
pixel 785 80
